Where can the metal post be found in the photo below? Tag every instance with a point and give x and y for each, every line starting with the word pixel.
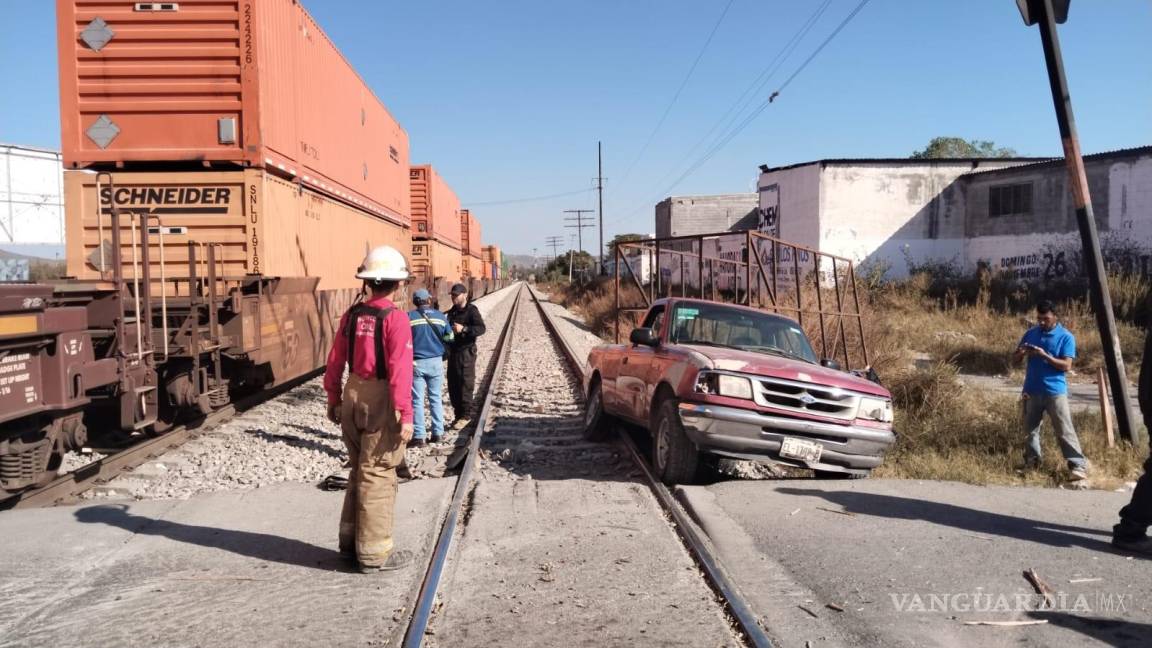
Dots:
pixel 820 303
pixel 748 268
pixel 796 281
pixel 616 279
pixel 600 200
pixel 1078 178
pixel 700 265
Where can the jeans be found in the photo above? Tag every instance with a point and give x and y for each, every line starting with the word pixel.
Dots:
pixel 428 377
pixel 1061 417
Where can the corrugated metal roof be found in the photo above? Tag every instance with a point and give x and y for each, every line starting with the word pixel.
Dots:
pixel 1136 151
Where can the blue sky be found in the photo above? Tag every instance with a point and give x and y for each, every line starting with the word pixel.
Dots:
pixel 508 98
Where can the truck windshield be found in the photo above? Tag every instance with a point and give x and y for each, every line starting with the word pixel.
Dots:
pixel 717 325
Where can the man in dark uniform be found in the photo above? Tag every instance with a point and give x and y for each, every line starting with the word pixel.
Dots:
pixel 467 325
pixel 1131 534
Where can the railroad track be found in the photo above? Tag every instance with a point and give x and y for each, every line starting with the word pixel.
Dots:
pixel 509 420
pixel 67 488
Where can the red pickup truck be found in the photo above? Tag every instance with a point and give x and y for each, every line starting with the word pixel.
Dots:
pixel 708 378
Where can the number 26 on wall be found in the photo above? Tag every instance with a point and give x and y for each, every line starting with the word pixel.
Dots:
pixel 1055 266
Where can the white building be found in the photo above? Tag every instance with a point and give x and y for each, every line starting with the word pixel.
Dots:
pixel 31 201
pixel 1014 214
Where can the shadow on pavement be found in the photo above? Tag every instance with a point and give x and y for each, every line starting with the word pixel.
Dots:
pixel 1111 632
pixel 262 546
pixel 973 520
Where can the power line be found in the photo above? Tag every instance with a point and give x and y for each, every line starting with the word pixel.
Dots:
pixel 675 97
pixel 725 139
pixel 532 199
pixel 581 222
pixel 554 242
pixel 754 88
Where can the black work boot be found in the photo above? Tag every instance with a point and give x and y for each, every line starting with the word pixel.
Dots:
pixel 1131 538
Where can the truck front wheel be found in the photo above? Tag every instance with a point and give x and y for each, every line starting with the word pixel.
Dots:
pixel 676 458
pixel 597 422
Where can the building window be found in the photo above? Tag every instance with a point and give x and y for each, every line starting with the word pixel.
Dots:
pixel 1010 200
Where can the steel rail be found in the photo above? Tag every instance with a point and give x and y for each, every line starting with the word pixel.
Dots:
pixel 425 601
pixel 700 549
pixel 65 488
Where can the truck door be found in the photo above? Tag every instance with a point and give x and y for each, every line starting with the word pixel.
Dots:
pixel 632 381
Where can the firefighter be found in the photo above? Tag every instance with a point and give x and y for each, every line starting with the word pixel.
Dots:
pixel 374 409
pixel 467 325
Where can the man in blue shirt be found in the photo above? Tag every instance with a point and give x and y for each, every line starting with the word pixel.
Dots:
pixel 1050 349
pixel 430 334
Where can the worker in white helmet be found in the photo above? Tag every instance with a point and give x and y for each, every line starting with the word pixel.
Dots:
pixel 374 410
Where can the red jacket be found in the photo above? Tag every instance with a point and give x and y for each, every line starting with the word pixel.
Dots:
pixel 397 354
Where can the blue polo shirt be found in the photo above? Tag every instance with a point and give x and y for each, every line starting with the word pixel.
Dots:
pixel 1041 377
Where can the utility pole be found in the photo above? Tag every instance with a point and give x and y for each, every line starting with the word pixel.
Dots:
pixel 1047 13
pixel 600 200
pixel 581 221
pixel 554 242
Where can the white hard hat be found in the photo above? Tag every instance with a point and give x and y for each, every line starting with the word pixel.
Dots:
pixel 383 263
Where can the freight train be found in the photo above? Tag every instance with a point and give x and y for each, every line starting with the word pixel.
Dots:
pixel 145 346
pixel 226 171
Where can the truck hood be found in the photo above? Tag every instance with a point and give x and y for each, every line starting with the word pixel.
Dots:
pixel 763 364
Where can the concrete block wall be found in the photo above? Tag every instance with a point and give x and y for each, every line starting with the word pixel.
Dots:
pixel 689 215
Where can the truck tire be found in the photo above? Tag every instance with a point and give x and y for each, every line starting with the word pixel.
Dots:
pixel 675 457
pixel 597 423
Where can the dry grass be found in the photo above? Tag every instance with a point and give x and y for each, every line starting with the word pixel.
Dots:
pixel 979 337
pixel 949 432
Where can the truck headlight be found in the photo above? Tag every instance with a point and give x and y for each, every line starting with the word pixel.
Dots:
pixel 724 385
pixel 876 409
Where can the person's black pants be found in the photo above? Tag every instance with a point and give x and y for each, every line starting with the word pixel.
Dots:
pixel 462 379
pixel 1137 516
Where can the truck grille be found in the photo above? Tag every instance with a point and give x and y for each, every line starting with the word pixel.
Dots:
pixel 806 398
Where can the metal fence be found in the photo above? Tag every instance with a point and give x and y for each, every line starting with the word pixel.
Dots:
pixel 815 288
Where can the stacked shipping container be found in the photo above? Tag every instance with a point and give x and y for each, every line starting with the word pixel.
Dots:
pixel 493 261
pixel 435 230
pixel 206 82
pixel 472 264
pixel 282 155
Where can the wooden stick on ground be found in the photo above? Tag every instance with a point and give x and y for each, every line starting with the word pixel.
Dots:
pixel 1040 586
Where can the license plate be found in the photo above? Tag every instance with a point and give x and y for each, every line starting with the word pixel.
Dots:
pixel 808 451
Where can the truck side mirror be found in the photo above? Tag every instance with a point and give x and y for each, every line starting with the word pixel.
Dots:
pixel 830 363
pixel 644 336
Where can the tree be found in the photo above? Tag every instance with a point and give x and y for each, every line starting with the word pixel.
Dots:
pixel 558 268
pixel 958 147
pixel 610 247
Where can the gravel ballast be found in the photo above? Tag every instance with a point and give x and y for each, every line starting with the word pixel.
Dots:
pixel 286 439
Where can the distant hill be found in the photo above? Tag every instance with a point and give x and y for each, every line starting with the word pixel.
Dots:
pixel 521 260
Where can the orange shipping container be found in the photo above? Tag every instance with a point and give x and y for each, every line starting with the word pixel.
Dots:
pixel 492 254
pixel 435 207
pixel 262 223
pixel 472 266
pixel 431 259
pixel 209 82
pixel 469 233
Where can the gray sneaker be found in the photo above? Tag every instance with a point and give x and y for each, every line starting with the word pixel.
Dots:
pixel 1078 474
pixel 398 559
